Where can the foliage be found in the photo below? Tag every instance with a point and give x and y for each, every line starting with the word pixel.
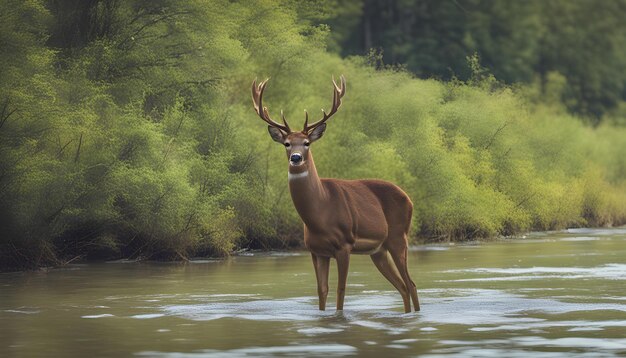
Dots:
pixel 519 41
pixel 126 130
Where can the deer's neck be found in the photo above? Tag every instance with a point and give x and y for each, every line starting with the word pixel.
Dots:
pixel 307 192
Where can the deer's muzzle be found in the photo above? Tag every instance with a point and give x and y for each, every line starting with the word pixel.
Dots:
pixel 295 159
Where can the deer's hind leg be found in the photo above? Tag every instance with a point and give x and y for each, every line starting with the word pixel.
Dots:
pixel 385 265
pixel 399 252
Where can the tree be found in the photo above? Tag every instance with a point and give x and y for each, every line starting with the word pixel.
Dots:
pixel 517 41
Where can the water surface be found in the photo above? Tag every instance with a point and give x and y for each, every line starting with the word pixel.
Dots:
pixel 546 295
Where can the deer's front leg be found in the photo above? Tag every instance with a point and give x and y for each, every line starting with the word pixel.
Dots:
pixel 321 265
pixel 343 262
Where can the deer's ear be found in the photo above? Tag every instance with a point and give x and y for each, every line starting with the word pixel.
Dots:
pixel 277 134
pixel 317 133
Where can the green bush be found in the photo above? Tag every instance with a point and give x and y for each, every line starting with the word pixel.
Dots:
pixel 139 139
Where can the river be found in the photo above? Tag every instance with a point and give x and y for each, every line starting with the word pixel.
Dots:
pixel 548 294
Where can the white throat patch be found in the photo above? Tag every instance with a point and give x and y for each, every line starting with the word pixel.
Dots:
pixel 298 175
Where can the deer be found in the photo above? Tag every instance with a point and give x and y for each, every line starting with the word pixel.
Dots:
pixel 343 217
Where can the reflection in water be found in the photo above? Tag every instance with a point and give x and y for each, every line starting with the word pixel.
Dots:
pixel 548 295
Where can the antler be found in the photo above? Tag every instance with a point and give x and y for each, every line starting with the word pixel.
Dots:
pixel 257 99
pixel 338 92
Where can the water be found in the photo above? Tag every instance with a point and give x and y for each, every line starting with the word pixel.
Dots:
pixel 546 295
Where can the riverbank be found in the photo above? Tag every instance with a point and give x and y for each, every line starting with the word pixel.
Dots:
pixel 293 249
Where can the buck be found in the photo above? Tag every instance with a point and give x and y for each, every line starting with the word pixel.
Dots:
pixel 343 217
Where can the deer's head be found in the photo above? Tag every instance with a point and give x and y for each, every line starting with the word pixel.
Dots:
pixel 296 143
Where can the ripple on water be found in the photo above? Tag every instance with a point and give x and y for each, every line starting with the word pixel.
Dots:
pixel 493 307
pixel 314 331
pixel 429 248
pixel 596 231
pixel 295 309
pixel 580 325
pixel 147 316
pixel 23 311
pixel 289 310
pixel 379 326
pixel 475 352
pixel 313 350
pixel 98 316
pixel 580 342
pixel 509 345
pixel 612 271
pixel 482 309
pixel 581 238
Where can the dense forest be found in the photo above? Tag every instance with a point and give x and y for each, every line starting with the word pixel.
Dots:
pixel 518 41
pixel 127 129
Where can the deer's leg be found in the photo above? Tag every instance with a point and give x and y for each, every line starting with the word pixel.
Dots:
pixel 385 265
pixel 321 266
pixel 343 262
pixel 399 254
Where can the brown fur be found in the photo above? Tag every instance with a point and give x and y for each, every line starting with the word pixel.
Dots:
pixel 343 217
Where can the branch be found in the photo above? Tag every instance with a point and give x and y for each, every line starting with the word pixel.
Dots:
pixel 63 148
pixel 148 24
pixel 528 197
pixel 4 116
pixel 80 143
pixel 493 137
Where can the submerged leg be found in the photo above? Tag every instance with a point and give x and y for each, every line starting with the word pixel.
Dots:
pixel 399 255
pixel 343 262
pixel 385 265
pixel 321 265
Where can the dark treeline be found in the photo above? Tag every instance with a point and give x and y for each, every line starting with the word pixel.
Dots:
pixel 518 41
pixel 127 130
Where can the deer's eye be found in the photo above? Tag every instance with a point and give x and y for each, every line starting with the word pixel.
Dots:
pixel 287 145
pixel 306 144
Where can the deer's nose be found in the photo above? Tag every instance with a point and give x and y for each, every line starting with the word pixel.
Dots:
pixel 295 158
